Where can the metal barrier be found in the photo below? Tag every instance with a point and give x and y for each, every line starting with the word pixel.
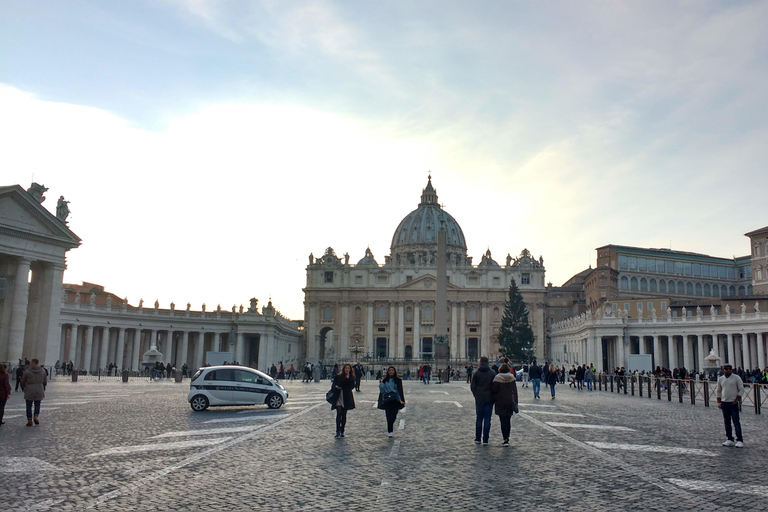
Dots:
pixel 755 394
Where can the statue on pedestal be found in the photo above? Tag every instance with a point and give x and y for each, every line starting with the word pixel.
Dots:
pixel 311 259
pixel 743 309
pixel 157 304
pixel 189 306
pixel 77 298
pixel 62 210
pixel 173 306
pixel 93 298
pixel 757 307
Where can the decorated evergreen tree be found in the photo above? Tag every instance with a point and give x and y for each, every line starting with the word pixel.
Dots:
pixel 515 333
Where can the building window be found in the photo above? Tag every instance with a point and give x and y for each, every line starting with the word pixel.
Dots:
pixel 602 282
pixel 624 283
pixel 626 306
pixel 707 290
pixel 649 306
pixel 496 281
pixel 408 314
pixel 633 283
pixel 427 313
pixel 327 314
pixel 715 291
pixel 623 263
pixel 602 294
pixel 496 313
pixel 732 291
pixel 381 314
pixel 472 280
pixel 689 288
pixel 358 279
pixel 408 279
pixel 328 277
pixel 698 289
pixel 688 269
pixel 632 263
pixel 525 278
pixel 663 286
pixel 614 307
pixel 653 285
pixel 473 314
pixel 382 279
pixel 663 305
pixel 358 314
pixel 680 288
pixel 639 306
pixel 643 285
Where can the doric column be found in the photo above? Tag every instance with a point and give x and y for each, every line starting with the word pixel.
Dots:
pixel 240 347
pixel 17 324
pixel 485 332
pixel 454 327
pixel 672 349
pixel 591 349
pixel 263 363
pixel 74 339
pixel 120 348
pixel 49 306
pixel 391 349
pixel 657 359
pixel 641 344
pixel 63 343
pixel 400 352
pixel 463 330
pixel 85 364
pixel 136 355
pixel 745 351
pixel 170 357
pixel 731 349
pixel 104 351
pixel 760 350
pixel 700 363
pixel 199 350
pixel 687 353
pixel 185 347
pixel 416 329
pixel 369 345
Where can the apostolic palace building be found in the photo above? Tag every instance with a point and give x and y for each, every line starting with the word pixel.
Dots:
pixel 676 306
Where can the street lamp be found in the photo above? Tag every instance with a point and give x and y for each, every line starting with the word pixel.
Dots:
pixel 356 349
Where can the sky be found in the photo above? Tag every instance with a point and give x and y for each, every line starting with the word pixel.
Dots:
pixel 207 148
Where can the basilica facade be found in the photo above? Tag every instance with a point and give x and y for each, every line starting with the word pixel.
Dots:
pixel 386 311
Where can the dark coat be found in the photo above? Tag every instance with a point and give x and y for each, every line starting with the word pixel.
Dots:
pixel 347 387
pixel 552 378
pixel 504 393
pixel 482 382
pixel 535 371
pixel 395 405
pixel 5 385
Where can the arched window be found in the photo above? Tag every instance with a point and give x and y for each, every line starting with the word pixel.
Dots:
pixel 715 291
pixel 358 314
pixel 663 286
pixel 749 289
pixel 689 288
pixel 723 291
pixel 653 285
pixel 624 283
pixel 633 283
pixel 409 314
pixel 496 314
pixel 707 290
pixel 327 314
pixel 732 291
pixel 742 290
pixel 381 314
pixel 473 314
pixel 427 313
pixel 680 288
pixel 643 285
pixel 698 289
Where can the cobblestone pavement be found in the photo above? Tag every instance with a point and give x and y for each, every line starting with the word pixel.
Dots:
pixel 139 446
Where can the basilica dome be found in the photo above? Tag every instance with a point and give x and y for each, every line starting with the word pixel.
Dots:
pixel 416 235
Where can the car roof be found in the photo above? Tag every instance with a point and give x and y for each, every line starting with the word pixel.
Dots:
pixel 235 367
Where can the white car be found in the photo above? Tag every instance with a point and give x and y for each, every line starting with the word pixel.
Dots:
pixel 234 385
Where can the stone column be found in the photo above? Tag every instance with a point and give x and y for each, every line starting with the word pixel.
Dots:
pixel 641 344
pixel 136 361
pixel 657 359
pixel 369 345
pixel 74 339
pixel 760 350
pixel 49 300
pixel 391 349
pixel 485 330
pixel 18 322
pixel 621 352
pixel 185 347
pixel 454 334
pixel 745 351
pixel 591 349
pixel 170 356
pixel 463 330
pixel 731 349
pixel 702 353
pixel 344 341
pixel 400 352
pixel 266 339
pixel 672 349
pixel 120 348
pixel 313 347
pixel 416 328
pixel 737 353
pixel 85 364
pixel 240 349
pixel 63 343
pixel 687 353
pixel 199 350
pixel 104 352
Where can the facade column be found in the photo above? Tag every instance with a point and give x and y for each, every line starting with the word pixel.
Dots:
pixel 185 347
pixel 63 343
pixel 74 339
pixel 737 353
pixel 485 332
pixel 344 341
pixel 120 348
pixel 104 352
pixel 391 349
pixel 687 353
pixel 369 344
pixel 416 328
pixel 136 355
pixel 17 325
pixel 199 350
pixel 641 345
pixel 400 352
pixel 85 363
pixel 313 347
pixel 760 350
pixel 264 352
pixel 657 359
pixel 462 330
pixel 745 351
pixel 700 362
pixel 239 348
pixel 171 347
pixel 454 350
pixel 49 300
pixel 731 349
pixel 672 349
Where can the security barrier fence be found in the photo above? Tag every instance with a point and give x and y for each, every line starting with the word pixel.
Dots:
pixel 682 390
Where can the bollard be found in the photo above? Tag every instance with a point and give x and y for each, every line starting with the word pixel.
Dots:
pixel 177 376
pixel 74 374
pixel 693 391
pixel 756 388
pixel 669 390
pixel 640 387
pixel 706 393
pixel 125 375
pixel 649 387
pixel 611 384
pixel 679 392
pixel 658 389
pixel 632 380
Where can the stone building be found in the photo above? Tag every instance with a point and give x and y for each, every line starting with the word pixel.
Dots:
pixel 386 311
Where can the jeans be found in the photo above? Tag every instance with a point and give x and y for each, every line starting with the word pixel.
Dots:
pixel 483 412
pixel 536 386
pixel 552 387
pixel 589 385
pixel 730 413
pixel 37 410
pixel 525 379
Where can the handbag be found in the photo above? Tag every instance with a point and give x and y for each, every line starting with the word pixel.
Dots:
pixel 515 409
pixel 332 395
pixel 390 397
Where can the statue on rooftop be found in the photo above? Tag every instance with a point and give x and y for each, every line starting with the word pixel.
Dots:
pixel 62 210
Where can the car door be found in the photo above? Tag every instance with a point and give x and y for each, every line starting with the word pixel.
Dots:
pixel 220 386
pixel 250 388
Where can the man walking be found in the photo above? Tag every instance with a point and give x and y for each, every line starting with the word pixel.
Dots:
pixel 34 381
pixel 729 390
pixel 482 389
pixel 358 375
pixel 535 373
pixel 525 375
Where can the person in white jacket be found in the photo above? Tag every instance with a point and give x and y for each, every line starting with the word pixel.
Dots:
pixel 729 390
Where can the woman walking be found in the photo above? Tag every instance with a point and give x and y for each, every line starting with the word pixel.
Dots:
pixel 391 398
pixel 504 390
pixel 5 389
pixel 343 384
pixel 552 379
pixel 34 381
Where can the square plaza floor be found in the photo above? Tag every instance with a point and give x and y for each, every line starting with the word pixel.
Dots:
pixel 139 446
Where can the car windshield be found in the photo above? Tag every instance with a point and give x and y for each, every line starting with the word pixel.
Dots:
pixel 197 374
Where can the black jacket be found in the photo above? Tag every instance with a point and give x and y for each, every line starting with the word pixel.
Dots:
pixel 482 382
pixel 396 405
pixel 347 386
pixel 535 371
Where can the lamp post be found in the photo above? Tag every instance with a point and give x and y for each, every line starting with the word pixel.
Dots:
pixel 356 349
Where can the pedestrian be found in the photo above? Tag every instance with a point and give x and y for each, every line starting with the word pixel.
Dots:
pixel 344 400
pixel 19 373
pixel 34 382
pixel 5 389
pixel 534 372
pixel 729 390
pixel 482 389
pixel 469 369
pixel 359 370
pixel 552 379
pixel 580 377
pixel 589 376
pixel 525 375
pixel 391 397
pixel 504 390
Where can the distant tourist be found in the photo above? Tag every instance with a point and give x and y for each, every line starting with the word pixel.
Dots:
pixel 535 373
pixel 552 379
pixel 344 399
pixel 729 390
pixel 34 381
pixel 391 398
pixel 482 389
pixel 5 389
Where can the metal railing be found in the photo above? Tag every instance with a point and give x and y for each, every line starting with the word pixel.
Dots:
pixel 684 390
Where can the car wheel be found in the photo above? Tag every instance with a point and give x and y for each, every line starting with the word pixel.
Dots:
pixel 274 401
pixel 199 403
